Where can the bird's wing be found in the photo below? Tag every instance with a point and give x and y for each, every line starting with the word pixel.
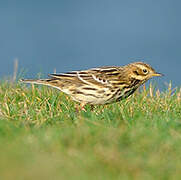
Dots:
pixel 103 76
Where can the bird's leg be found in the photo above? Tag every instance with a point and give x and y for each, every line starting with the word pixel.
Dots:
pixel 80 107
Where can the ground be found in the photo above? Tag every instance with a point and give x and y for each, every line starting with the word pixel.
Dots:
pixel 43 136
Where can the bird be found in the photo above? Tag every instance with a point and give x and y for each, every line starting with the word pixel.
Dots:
pixel 102 85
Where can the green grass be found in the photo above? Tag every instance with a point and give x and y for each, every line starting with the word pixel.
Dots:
pixel 43 137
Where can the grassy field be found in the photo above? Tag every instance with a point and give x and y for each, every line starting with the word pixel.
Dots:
pixel 43 137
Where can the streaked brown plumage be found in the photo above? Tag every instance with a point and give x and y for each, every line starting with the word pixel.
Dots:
pixel 100 85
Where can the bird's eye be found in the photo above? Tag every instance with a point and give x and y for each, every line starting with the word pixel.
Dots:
pixel 145 71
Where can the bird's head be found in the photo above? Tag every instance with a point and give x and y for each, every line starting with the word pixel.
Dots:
pixel 141 71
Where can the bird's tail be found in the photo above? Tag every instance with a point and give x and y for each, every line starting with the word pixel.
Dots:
pixel 35 81
pixel 53 82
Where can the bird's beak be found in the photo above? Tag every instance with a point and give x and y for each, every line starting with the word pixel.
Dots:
pixel 157 74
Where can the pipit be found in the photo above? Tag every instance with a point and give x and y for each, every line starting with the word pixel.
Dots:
pixel 100 85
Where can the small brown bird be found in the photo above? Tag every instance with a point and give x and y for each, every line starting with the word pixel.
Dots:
pixel 101 85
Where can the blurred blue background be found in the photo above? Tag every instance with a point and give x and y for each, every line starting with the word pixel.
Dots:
pixel 73 35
